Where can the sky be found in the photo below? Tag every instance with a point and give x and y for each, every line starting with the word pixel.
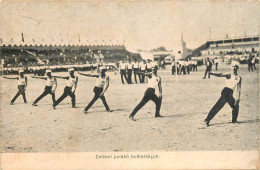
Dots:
pixel 136 24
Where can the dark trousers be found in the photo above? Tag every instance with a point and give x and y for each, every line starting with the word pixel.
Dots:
pixel 21 91
pixel 182 70
pixel 123 75
pixel 97 91
pixel 149 95
pixel 216 66
pixel 250 67
pixel 226 97
pixel 188 69
pixel 136 72
pixel 196 67
pixel 254 66
pixel 67 92
pixel 173 70
pixel 129 76
pixel 47 90
pixel 208 70
pixel 142 76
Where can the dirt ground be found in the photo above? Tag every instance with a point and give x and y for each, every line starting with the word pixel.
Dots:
pixel 186 103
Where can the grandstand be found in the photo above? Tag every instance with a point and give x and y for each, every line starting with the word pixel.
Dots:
pixel 228 46
pixel 30 55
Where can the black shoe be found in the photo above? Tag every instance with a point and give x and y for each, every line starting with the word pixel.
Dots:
pixel 74 107
pixel 34 104
pixel 132 118
pixel 53 107
pixel 25 102
pixel 235 121
pixel 203 78
pixel 206 123
pixel 158 116
pixel 11 103
pixel 109 110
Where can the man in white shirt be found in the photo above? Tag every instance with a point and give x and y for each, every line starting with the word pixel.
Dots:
pixel 122 68
pixel 129 68
pixel 136 71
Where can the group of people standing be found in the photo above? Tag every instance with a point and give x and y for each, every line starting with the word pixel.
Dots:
pixel 127 69
pixel 184 66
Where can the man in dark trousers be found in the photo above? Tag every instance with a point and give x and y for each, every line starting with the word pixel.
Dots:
pixel 22 84
pixel 154 81
pixel 70 88
pixel 136 71
pixel 51 85
pixel 129 68
pixel 233 86
pixel 122 68
pixel 208 64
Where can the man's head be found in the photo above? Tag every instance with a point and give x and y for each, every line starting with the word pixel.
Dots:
pixel 154 69
pixel 103 71
pixel 235 66
pixel 179 52
pixel 21 72
pixel 71 71
pixel 48 73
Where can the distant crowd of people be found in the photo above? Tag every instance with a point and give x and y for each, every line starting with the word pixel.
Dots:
pixel 184 67
pixel 127 69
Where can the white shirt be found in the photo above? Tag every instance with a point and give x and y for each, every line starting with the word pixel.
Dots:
pixel 129 66
pixel 122 66
pixel 50 81
pixel 232 81
pixel 21 81
pixel 100 82
pixel 71 81
pixel 153 81
pixel 136 65
pixel 143 66
pixel 149 65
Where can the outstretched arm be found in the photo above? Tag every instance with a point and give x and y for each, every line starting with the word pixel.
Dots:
pixel 75 86
pixel 11 77
pixel 62 77
pixel 89 75
pixel 39 77
pixel 220 75
pixel 106 86
pixel 160 88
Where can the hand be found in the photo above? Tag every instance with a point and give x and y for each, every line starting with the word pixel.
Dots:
pixel 237 101
pixel 160 96
pixel 73 91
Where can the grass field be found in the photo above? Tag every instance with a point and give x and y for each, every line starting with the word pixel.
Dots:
pixel 186 103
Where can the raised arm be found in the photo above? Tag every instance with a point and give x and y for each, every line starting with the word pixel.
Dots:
pixel 76 84
pixel 89 75
pixel 160 87
pixel 106 86
pixel 11 77
pixel 39 77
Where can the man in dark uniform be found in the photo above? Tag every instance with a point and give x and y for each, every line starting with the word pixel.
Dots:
pixel 208 68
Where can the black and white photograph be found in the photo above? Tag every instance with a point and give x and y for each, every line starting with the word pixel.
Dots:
pixel 130 77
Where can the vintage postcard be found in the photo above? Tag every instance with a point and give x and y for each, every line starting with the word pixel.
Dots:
pixel 129 84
